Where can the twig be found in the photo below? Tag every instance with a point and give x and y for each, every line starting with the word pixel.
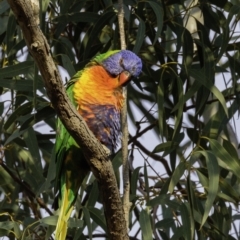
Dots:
pixel 139 134
pixel 121 24
pixel 126 184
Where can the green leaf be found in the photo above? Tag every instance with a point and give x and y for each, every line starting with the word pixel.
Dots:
pixel 161 110
pixel 11 227
pixel 165 147
pixel 165 224
pixel 19 85
pixel 199 76
pixel 8 225
pixel 17 47
pixel 193 89
pixel 187 43
pixel 146 181
pixel 211 19
pixel 226 30
pixel 43 113
pixel 164 200
pixel 177 174
pixel 134 181
pixel 68 65
pixel 178 117
pixel 13 136
pixel 50 220
pixel 186 222
pixel 159 13
pixel 98 217
pixel 15 70
pixel 145 224
pixel 50 175
pixel 32 144
pixel 11 31
pixel 213 184
pixel 227 161
pixel 75 223
pixel 88 221
pixel 140 35
pixel 117 161
pixel 94 194
pixel 230 148
pixel 179 232
pixel 26 108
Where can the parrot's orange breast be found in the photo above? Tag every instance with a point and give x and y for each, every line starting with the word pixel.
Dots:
pixel 99 99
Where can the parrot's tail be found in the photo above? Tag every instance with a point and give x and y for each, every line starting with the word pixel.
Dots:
pixel 65 212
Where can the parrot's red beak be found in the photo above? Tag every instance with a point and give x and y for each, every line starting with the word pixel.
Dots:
pixel 124 77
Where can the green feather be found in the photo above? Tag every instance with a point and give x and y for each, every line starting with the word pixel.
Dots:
pixel 71 169
pixel 101 57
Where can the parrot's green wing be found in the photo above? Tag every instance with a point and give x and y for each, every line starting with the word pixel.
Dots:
pixel 71 169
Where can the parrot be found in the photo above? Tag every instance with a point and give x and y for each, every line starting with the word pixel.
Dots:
pixel 97 94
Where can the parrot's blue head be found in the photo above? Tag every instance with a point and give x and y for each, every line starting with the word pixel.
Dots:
pixel 117 62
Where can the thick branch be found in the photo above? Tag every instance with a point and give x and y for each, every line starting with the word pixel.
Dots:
pixel 95 154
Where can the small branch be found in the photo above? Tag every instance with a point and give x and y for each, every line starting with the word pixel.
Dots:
pixel 126 183
pixel 154 156
pixel 121 24
pixel 140 133
pixel 227 98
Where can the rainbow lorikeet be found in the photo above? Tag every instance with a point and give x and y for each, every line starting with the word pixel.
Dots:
pixel 96 92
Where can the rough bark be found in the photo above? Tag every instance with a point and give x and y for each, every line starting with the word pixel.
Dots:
pixel 96 156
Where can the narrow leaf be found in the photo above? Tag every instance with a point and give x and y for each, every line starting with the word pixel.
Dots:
pixel 134 181
pixel 146 181
pixel 230 162
pixel 199 76
pixel 145 224
pixel 140 35
pixel 186 221
pixel 159 13
pixel 98 217
pixel 15 70
pixel 32 144
pixel 75 223
pixel 88 222
pixel 177 174
pixel 68 65
pixel 165 223
pixel 51 220
pixel 213 184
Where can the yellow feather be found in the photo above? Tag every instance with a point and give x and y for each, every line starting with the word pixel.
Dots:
pixel 61 229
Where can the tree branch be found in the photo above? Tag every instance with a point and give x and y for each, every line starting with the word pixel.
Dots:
pixel 95 154
pixel 126 183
